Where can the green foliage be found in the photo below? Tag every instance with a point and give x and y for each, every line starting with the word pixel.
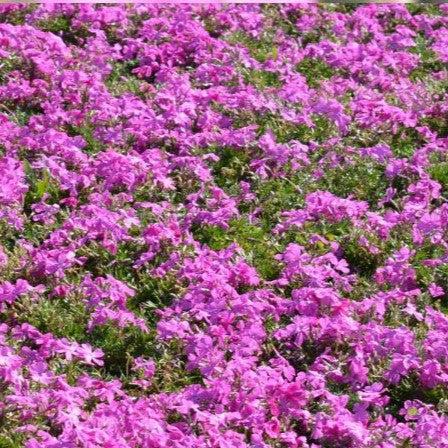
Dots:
pixel 363 179
pixel 17 17
pixel 279 195
pixel 121 80
pixel 426 275
pixel 11 440
pixel 423 7
pixel 40 183
pixel 261 79
pixel 87 131
pixel 153 293
pixel 258 245
pixel 439 125
pixel 63 317
pixel 322 130
pixel 410 388
pixel 120 346
pixel 19 112
pixel 439 172
pixel 56 24
pixel 171 373
pixel 62 26
pixel 429 62
pixel 231 168
pixel 7 65
pixel 405 142
pixel 285 131
pixel 261 49
pixel 315 71
pixel 360 261
pixel 68 317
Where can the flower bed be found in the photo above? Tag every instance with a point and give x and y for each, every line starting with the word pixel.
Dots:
pixel 223 226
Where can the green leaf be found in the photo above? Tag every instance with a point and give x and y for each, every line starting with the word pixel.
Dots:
pixel 42 185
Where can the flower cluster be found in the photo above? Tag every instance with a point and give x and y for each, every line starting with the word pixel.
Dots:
pixel 223 226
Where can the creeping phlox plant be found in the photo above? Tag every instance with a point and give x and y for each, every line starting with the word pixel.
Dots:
pixel 223 226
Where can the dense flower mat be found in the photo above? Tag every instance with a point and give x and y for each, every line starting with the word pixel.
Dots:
pixel 223 226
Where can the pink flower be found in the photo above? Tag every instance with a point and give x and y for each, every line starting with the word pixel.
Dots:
pixel 435 290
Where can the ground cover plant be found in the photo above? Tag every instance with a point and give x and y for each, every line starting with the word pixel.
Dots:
pixel 223 226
